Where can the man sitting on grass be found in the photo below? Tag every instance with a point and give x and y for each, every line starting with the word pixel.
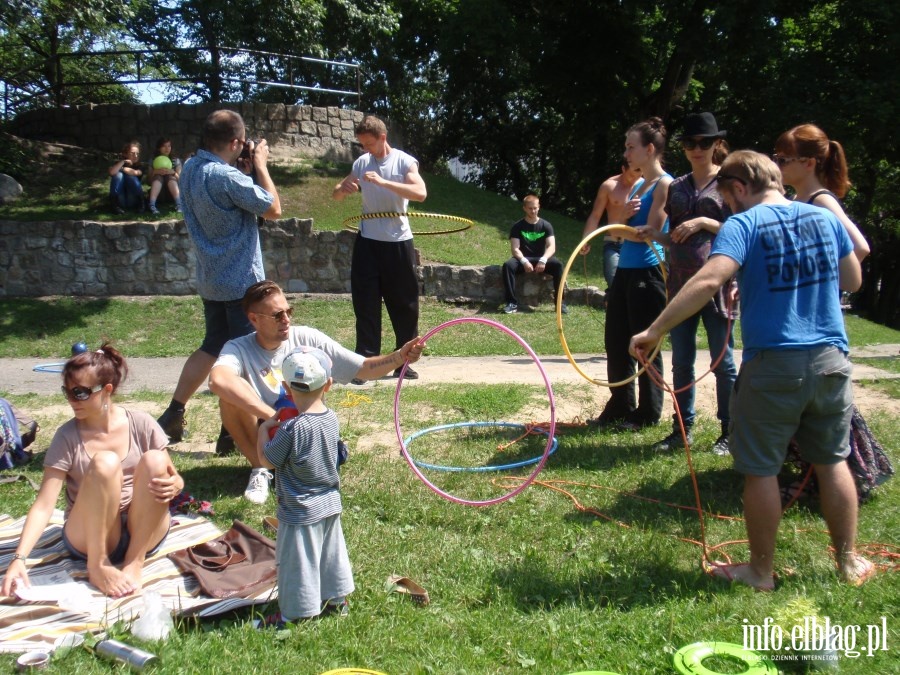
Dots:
pixel 247 379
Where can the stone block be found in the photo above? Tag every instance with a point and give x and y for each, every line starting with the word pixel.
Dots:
pixel 319 115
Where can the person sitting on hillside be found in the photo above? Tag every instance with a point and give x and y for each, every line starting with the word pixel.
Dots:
pixel 532 244
pixel 165 171
pixel 125 191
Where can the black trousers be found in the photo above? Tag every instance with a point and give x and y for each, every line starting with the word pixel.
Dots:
pixel 512 267
pixel 381 270
pixel 636 298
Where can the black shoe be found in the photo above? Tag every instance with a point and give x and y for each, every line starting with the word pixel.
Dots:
pixel 605 421
pixel 410 374
pixel 172 422
pixel 357 381
pixel 673 442
pixel 635 424
pixel 225 443
pixel 721 446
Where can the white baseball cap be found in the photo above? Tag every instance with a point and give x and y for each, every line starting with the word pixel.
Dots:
pixel 306 369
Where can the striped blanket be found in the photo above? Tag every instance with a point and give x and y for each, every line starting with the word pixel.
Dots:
pixel 26 626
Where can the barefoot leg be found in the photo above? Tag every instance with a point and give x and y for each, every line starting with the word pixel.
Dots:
pixel 148 519
pixel 94 525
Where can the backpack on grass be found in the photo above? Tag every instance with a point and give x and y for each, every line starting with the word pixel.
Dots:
pixel 17 432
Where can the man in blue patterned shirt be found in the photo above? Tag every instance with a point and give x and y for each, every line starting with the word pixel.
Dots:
pixel 222 204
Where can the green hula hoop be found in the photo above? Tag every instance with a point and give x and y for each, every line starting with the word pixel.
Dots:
pixel 689 659
pixel 351 222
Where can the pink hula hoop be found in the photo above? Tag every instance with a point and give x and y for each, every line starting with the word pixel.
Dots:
pixel 538 467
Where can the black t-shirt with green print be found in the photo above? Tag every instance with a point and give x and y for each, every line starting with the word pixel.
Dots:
pixel 532 237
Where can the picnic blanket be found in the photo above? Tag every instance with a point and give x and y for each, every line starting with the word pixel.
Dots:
pixel 25 626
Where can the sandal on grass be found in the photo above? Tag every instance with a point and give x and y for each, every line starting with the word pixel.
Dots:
pixel 270 523
pixel 404 585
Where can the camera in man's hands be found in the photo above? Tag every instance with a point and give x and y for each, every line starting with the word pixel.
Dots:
pixel 249 148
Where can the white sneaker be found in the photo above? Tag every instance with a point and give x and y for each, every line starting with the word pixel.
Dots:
pixel 258 488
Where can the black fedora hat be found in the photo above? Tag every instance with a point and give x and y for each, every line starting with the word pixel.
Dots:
pixel 701 124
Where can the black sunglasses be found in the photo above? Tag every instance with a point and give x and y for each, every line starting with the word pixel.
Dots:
pixel 704 143
pixel 80 393
pixel 782 161
pixel 725 176
pixel 279 315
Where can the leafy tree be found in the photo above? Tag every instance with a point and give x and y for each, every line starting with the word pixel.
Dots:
pixel 35 36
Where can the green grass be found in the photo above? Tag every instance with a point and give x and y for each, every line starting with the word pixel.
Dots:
pixel 80 193
pixel 530 585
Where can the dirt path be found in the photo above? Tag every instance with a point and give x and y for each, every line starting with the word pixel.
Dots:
pixel 161 375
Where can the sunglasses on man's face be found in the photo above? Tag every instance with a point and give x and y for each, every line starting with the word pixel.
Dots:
pixel 280 315
pixel 704 143
pixel 80 393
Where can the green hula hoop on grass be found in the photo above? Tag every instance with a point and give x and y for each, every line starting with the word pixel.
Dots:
pixel 689 659
pixel 351 222
pixel 559 302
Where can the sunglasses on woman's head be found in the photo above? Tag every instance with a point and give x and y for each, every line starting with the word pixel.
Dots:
pixel 80 393
pixel 704 143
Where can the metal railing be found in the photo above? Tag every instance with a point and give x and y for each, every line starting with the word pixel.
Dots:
pixel 14 96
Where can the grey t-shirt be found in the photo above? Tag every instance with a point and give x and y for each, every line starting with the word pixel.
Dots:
pixel 377 199
pixel 262 367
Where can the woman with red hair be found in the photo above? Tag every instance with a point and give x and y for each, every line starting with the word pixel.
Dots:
pixel 816 168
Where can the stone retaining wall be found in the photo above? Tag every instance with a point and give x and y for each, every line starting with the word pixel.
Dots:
pixel 289 129
pixel 84 258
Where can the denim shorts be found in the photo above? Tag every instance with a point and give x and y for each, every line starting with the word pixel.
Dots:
pixel 779 395
pixel 118 554
pixel 225 320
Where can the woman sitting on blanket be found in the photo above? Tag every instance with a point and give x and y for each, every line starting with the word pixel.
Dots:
pixel 119 480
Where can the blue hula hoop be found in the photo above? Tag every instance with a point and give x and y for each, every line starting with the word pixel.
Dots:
pixel 477 469
pixel 49 367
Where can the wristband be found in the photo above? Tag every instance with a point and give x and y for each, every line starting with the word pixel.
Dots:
pixel 524 261
pixel 19 556
pixel 542 260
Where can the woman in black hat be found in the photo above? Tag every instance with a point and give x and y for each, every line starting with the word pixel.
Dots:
pixel 696 212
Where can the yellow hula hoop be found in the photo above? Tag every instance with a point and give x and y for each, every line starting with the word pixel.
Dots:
pixel 559 301
pixel 350 223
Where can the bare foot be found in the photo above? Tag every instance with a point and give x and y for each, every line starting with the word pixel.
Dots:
pixel 742 573
pixel 133 571
pixel 855 569
pixel 111 581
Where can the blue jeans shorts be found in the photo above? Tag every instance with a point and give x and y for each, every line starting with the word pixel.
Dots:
pixel 225 320
pixel 118 554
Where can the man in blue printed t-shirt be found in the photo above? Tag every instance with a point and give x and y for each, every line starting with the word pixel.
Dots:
pixel 791 261
pixel 222 204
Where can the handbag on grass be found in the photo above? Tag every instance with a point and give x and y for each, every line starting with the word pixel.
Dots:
pixel 240 563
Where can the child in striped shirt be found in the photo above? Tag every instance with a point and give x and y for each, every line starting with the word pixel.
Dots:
pixel 314 573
